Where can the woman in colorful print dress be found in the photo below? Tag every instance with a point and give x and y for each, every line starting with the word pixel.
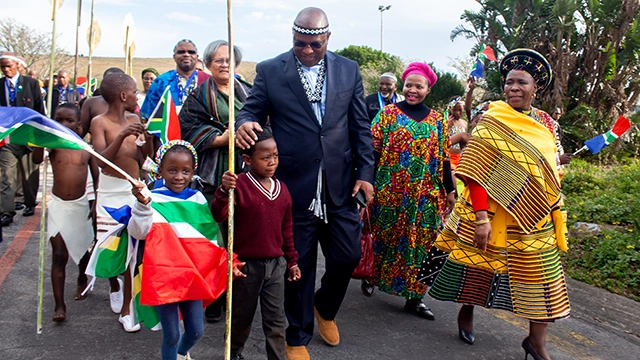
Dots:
pixel 411 143
pixel 505 234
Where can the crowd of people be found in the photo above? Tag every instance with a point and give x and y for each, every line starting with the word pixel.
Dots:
pixel 468 211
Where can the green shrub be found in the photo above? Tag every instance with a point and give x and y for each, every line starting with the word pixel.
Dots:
pixel 610 196
pixel 609 260
pixel 605 195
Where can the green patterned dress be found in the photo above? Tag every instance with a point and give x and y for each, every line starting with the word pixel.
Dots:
pixel 409 199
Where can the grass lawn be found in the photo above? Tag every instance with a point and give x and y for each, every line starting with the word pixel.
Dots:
pixel 609 196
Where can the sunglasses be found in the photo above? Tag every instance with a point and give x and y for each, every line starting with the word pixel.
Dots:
pixel 314 45
pixel 182 52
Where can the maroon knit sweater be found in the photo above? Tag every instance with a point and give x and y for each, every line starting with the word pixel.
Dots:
pixel 263 223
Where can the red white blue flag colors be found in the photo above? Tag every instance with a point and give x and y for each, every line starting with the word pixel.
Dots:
pixel 601 141
pixel 164 122
pixel 486 53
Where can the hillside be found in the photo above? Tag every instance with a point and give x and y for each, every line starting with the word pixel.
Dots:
pixel 100 64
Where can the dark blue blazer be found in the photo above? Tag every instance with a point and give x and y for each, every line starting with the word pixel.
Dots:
pixel 28 94
pixel 344 141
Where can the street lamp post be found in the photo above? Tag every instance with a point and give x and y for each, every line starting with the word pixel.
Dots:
pixel 382 9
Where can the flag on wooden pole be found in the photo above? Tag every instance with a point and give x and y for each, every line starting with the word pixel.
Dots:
pixel 164 122
pixel 24 126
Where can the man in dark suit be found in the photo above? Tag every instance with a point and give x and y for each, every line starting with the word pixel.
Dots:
pixel 16 90
pixel 314 101
pixel 63 93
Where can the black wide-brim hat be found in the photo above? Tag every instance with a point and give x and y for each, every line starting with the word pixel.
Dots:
pixel 530 61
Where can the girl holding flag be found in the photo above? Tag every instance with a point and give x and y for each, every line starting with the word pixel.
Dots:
pixel 183 265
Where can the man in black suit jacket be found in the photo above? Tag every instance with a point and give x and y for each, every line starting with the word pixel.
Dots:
pixel 314 101
pixel 16 90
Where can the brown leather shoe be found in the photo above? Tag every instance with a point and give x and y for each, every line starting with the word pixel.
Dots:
pixel 328 330
pixel 297 353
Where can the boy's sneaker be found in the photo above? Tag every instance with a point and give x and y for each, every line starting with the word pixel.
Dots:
pixel 237 357
pixel 188 357
pixel 116 299
pixel 128 324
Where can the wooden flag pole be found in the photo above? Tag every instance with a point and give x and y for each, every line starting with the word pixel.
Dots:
pixel 232 115
pixel 126 51
pixel 91 45
pixel 580 150
pixel 129 33
pixel 43 218
pixel 75 63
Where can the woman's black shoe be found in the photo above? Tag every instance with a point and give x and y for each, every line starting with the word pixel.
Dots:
pixel 367 288
pixel 466 336
pixel 419 308
pixel 528 350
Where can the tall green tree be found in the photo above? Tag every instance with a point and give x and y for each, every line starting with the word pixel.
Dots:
pixel 373 63
pixel 447 86
pixel 593 47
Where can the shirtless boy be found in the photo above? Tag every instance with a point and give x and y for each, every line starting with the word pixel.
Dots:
pixel 69 217
pixel 95 105
pixel 113 136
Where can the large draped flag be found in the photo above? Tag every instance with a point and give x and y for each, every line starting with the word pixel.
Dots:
pixel 113 252
pixel 182 259
pixel 164 122
pixel 24 126
pixel 485 53
pixel 147 315
pixel 601 141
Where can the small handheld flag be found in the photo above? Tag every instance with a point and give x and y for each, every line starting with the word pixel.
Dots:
pixel 601 141
pixel 478 69
pixel 164 122
pixel 486 53
pixel 82 85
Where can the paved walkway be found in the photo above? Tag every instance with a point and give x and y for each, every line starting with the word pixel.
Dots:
pixel 602 326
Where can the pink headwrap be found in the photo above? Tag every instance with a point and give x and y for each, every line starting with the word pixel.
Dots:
pixel 421 69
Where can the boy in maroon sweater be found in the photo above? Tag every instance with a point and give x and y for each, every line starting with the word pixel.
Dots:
pixel 264 241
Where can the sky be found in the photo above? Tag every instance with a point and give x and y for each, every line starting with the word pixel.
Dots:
pixel 413 29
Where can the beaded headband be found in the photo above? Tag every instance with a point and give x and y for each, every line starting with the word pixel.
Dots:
pixel 529 61
pixel 307 31
pixel 455 101
pixel 162 151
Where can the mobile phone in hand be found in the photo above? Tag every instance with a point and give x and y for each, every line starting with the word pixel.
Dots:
pixel 360 198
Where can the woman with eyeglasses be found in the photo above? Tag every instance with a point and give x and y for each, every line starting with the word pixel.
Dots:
pixel 203 123
pixel 205 114
pixel 148 76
